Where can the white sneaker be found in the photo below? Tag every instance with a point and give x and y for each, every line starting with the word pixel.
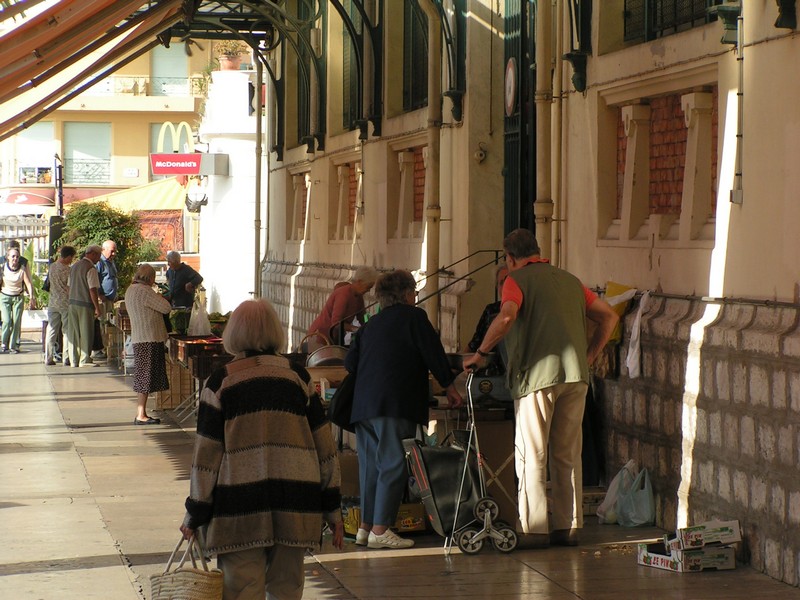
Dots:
pixel 362 537
pixel 388 539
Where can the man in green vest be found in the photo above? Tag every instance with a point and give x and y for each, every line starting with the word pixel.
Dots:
pixel 543 322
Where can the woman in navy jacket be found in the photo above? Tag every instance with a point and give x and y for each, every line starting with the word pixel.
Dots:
pixel 391 356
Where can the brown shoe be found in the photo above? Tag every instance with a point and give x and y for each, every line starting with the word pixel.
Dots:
pixel 564 537
pixel 532 541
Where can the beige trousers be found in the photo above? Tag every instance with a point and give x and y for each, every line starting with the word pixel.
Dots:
pixel 275 573
pixel 549 427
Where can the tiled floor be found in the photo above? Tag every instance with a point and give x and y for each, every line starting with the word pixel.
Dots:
pixel 602 568
pixel 92 504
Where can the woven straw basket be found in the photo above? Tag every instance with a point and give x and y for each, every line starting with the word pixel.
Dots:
pixel 184 582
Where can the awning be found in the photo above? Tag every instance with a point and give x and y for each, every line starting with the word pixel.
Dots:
pixel 167 194
pixel 37 53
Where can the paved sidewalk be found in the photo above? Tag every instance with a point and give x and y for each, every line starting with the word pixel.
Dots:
pixel 91 506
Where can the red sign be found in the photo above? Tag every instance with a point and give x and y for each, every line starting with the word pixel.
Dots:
pixel 175 164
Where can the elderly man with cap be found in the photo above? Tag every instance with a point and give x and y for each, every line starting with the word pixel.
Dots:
pixel 182 280
pixel 84 307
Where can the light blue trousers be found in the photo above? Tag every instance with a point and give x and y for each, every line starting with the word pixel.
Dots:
pixel 382 471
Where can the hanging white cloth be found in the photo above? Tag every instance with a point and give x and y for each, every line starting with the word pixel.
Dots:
pixel 633 360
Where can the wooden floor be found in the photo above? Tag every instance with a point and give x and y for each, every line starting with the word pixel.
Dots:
pixel 603 567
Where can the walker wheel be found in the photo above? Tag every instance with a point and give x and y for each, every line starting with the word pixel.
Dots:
pixel 509 541
pixel 466 542
pixel 485 505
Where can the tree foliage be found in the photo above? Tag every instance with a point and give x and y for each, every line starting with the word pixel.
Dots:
pixel 89 223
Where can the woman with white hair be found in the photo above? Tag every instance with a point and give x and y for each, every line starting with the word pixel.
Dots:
pixel 264 473
pixel 146 309
pixel 345 303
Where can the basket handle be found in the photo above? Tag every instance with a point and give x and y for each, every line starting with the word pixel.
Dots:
pixel 315 334
pixel 194 547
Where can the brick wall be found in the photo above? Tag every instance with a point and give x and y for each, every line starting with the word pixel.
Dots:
pixel 745 414
pixel 419 185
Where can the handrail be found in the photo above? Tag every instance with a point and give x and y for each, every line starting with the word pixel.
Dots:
pixel 446 269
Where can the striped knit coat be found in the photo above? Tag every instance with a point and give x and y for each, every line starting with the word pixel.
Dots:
pixel 265 469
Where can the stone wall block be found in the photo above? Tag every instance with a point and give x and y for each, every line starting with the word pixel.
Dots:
pixel 663 466
pixel 677 371
pixel 758 493
pixel 654 410
pixel 759 385
pixel 791 343
pixel 778 389
pixel 640 409
pixel 664 325
pixel 786 434
pixel 701 427
pixel 740 387
pixel 789 563
pixel 627 414
pixel 722 380
pixel 741 485
pixel 794 507
pixel 793 383
pixel 655 309
pixel 764 335
pixel 773 558
pixel 694 313
pixel 715 430
pixel 705 475
pixel 778 503
pixel 747 429
pixel 708 388
pixel 766 442
pixel 723 332
pixel 731 437
pixel 671 421
pixel 724 488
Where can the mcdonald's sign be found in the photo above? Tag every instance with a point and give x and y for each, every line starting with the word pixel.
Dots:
pixel 175 163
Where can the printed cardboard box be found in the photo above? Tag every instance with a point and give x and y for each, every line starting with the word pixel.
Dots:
pixel 698 536
pixel 687 561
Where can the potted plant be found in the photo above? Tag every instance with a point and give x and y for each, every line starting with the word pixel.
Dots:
pixel 229 53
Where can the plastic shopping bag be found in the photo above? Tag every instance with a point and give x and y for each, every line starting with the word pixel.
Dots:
pixel 199 323
pixel 636 506
pixel 607 511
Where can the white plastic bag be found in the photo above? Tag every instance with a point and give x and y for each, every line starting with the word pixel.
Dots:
pixel 635 505
pixel 127 353
pixel 198 322
pixel 607 511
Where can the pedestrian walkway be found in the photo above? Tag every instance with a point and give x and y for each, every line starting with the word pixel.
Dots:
pixel 91 505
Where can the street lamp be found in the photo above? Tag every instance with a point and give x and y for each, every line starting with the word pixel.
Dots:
pixel 59 183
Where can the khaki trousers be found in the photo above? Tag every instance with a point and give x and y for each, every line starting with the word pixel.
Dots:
pixel 275 573
pixel 549 427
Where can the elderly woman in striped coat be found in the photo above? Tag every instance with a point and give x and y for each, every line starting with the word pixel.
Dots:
pixel 265 473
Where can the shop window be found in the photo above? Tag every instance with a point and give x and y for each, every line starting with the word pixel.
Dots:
pixel 344 201
pixel 87 153
pixel 665 170
pixel 407 206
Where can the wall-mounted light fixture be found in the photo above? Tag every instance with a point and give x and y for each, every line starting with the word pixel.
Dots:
pixel 728 13
pixel 196 193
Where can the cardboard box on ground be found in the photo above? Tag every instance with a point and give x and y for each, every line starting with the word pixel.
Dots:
pixel 410 517
pixel 703 547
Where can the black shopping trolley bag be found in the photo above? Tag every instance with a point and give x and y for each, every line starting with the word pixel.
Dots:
pixel 438 472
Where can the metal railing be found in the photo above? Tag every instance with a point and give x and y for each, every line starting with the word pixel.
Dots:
pixel 87 171
pixel 143 85
pixel 647 20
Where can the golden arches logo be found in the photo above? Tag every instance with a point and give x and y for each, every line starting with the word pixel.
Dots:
pixel 176 135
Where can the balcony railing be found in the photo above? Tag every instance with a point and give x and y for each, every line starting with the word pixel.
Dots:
pixel 91 171
pixel 647 20
pixel 142 85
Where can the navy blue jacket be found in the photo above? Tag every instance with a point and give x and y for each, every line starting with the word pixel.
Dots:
pixel 391 356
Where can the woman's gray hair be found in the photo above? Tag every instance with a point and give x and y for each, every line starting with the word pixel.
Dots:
pixel 145 274
pixel 366 274
pixel 254 325
pixel 393 287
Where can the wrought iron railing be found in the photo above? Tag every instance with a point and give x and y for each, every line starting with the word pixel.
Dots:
pixel 87 171
pixel 650 19
pixel 142 85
